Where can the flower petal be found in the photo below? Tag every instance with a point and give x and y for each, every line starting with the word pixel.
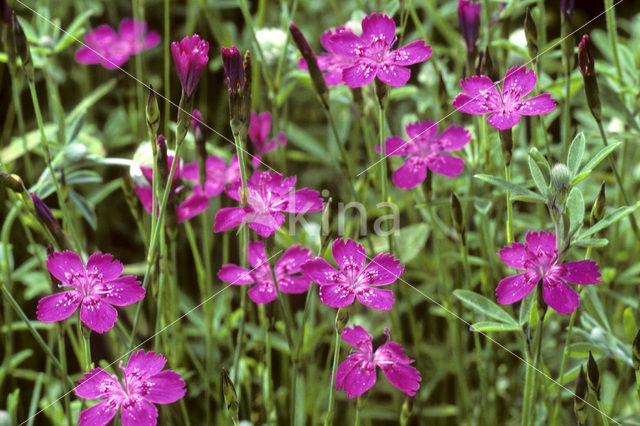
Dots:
pixel 479 86
pixel 581 272
pixel 375 298
pixel 519 80
pixel 393 75
pixel 234 274
pixel 145 195
pixel 471 105
pixel 100 414
pixel 446 165
pixel 293 284
pixel 395 146
pixel 560 297
pixel 514 288
pixel 359 75
pixel 256 255
pixel 292 260
pixel 87 56
pixel 132 33
pixel 104 266
pixel 166 387
pixel 422 130
pixel 503 121
pixel 382 270
pixel 345 43
pixel 348 254
pixel 541 241
pixel 97 314
pixel 541 104
pixel 123 291
pixel 378 27
pixel 147 363
pixel 263 292
pixel 412 53
pixel 151 40
pixel 395 366
pixel 259 127
pixel 336 295
pixel 355 375
pixel 515 256
pixel 320 272
pixel 57 307
pixel 453 138
pixel 138 412
pixel 66 267
pixel 357 336
pixel 230 217
pixel 412 173
pixel 98 384
pixel 302 201
pixel 267 224
pixel 195 204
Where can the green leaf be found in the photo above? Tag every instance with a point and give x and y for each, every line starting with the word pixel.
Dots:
pixel 576 152
pixel 76 126
pixel 538 177
pixel 591 242
pixel 609 220
pixel 592 304
pixel 630 326
pixel 517 192
pixel 575 204
pixel 74 31
pixel 87 211
pixel 533 152
pixel 485 326
pixel 411 240
pixel 525 310
pixel 588 168
pixel 485 306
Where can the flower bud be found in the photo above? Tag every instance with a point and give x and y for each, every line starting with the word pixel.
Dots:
pixel 635 352
pixel 5 13
pixel 233 69
pixel 317 78
pixel 531 33
pixel 190 55
pixel 457 217
pixel 245 106
pixel 230 396
pixel 506 141
pixel 593 376
pixel 13 182
pixel 469 18
pixel 22 46
pixel 587 69
pixel 561 178
pixel 566 10
pixel 153 113
pixel 162 161
pixel 597 211
pixel 580 397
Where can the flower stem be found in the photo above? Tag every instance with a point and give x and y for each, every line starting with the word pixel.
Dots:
pixel 356 421
pixel 347 169
pixel 613 39
pixel 167 66
pixel 238 349
pixel 336 353
pixel 530 377
pixel 63 361
pixel 508 231
pixel 268 387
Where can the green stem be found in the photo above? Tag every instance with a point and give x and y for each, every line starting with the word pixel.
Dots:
pixel 238 349
pixel 603 415
pixel 347 168
pixel 530 377
pixel 356 421
pixel 269 395
pixel 65 375
pixel 509 234
pixel 167 66
pixel 613 39
pixel 336 353
pixel 383 156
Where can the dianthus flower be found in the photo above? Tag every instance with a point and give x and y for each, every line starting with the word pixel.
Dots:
pixel 287 273
pixel 95 289
pixel 145 384
pixel 110 49
pixel 539 257
pixel 190 56
pixel 469 18
pixel 357 374
pixel 332 62
pixel 219 175
pixel 507 105
pixel 354 279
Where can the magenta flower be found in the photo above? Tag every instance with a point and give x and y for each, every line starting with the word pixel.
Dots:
pixel 269 195
pixel 372 53
pixel 357 374
pixel 332 62
pixel 193 204
pixel 287 273
pixel 110 49
pixel 96 288
pixel 145 384
pixel 539 257
pixel 220 177
pixel 191 57
pixel 259 135
pixel 233 69
pixel 469 17
pixel 506 106
pixel 425 149
pixel 340 288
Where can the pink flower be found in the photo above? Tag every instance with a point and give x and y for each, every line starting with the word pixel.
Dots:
pixel 110 49
pixel 481 97
pixel 425 149
pixel 539 257
pixel 269 195
pixel 259 135
pixel 191 57
pixel 372 53
pixel 287 273
pixel 469 17
pixel 340 288
pixel 233 69
pixel 357 374
pixel 96 288
pixel 145 384
pixel 332 62
pixel 219 176
pixel 193 204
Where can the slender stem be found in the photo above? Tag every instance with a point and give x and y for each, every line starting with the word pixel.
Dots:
pixel 347 168
pixel 383 156
pixel 509 234
pixel 63 361
pixel 167 66
pixel 603 415
pixel 530 377
pixel 85 338
pixel 238 349
pixel 336 353
pixel 18 104
pixel 356 421
pixel 613 39
pixel 240 151
pixel 269 395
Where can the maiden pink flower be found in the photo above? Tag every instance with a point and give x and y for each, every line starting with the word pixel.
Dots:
pixel 287 272
pixel 220 177
pixel 193 204
pixel 372 53
pixel 110 49
pixel 469 17
pixel 357 374
pixel 425 149
pixel 259 129
pixel 354 279
pixel 269 196
pixel 191 57
pixel 233 69
pixel 506 106
pixel 539 257
pixel 145 384
pixel 332 62
pixel 95 289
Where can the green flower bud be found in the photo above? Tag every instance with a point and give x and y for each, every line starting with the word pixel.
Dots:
pixel 531 33
pixel 317 78
pixel 587 69
pixel 597 211
pixel 13 182
pixel 22 46
pixel 153 113
pixel 382 90
pixel 407 408
pixel 230 396
pixel 593 376
pixel 342 318
pixel 457 217
pixel 561 180
pixel 580 397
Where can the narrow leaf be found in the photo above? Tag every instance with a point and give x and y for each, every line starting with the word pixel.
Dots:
pixel 576 152
pixel 484 306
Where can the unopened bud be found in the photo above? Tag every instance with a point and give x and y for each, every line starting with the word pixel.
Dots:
pixel 233 69
pixel 561 178
pixel 635 351
pixel 13 182
pixel 163 161
pixel 597 211
pixel 593 376
pixel 506 141
pixel 22 46
pixel 531 33
pixel 587 68
pixel 245 105
pixel 44 213
pixel 566 9
pixel 580 397
pixel 317 79
pixel 153 113
pixel 230 396
pixel 342 318
pixel 585 57
pixel 469 19
pixel 457 217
